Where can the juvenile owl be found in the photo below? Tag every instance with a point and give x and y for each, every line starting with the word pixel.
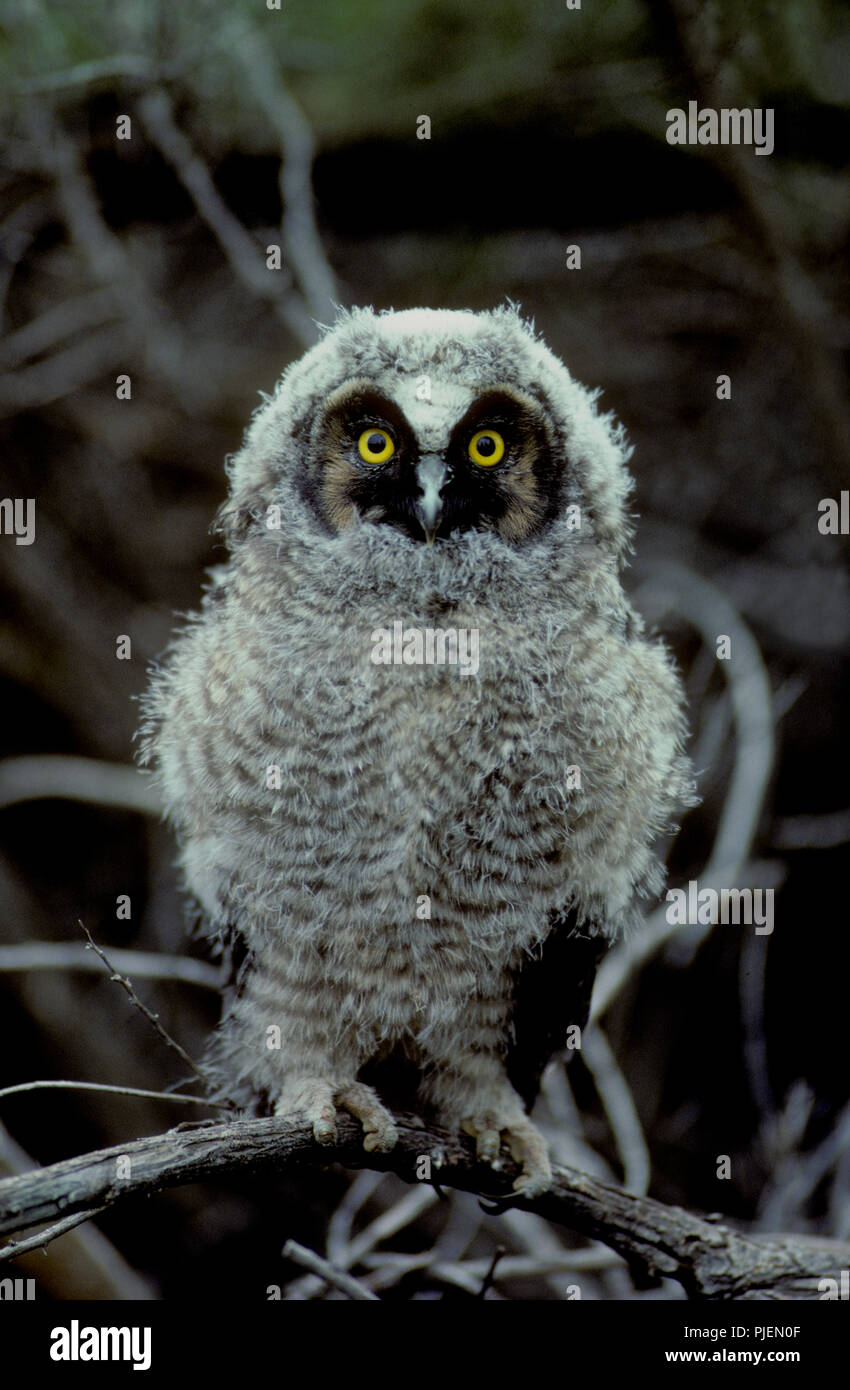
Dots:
pixel 415 745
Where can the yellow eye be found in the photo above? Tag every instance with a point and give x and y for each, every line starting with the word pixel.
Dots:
pixel 486 448
pixel 375 446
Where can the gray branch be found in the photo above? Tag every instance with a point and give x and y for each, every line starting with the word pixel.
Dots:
pixel 710 1260
pixel 242 251
pixel 143 965
pixel 100 783
pixel 299 232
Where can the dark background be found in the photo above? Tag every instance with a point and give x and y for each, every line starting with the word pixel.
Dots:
pixel 548 129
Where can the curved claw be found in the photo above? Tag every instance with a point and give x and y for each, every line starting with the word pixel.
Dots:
pixel 525 1144
pixel 324 1126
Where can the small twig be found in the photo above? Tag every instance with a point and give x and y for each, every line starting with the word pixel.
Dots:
pixel 528 1231
pixel 337 1278
pixel 115 1090
pixel 487 1281
pixel 143 1009
pixel 20 1247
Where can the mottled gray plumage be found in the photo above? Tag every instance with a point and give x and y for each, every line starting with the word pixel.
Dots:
pixel 398 782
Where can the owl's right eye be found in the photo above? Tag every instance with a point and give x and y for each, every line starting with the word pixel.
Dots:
pixel 375 446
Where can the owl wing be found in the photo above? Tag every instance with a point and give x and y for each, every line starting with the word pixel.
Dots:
pixel 551 991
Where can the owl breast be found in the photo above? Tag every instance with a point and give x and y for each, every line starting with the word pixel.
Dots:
pixel 394 836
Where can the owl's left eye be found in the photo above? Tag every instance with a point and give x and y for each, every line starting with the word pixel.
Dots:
pixel 486 447
pixel 375 446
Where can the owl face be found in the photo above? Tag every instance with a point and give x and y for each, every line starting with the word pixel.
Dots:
pixel 435 436
pixel 495 469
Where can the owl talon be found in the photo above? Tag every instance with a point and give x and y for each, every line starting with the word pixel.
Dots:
pixel 379 1130
pixel 532 1184
pixel 324 1127
pixel 526 1145
pixel 487 1147
pixel 380 1140
pixel 485 1130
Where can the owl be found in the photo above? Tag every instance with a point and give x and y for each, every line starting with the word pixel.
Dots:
pixel 416 746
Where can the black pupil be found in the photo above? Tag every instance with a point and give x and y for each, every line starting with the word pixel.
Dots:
pixel 376 443
pixel 486 445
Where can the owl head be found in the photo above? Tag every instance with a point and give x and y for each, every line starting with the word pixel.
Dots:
pixel 432 427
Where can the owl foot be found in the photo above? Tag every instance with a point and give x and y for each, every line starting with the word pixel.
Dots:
pixel 379 1129
pixel 525 1144
pixel 319 1100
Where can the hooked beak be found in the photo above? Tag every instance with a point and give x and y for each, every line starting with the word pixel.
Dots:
pixel 430 475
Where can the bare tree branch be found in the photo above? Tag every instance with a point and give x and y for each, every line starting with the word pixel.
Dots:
pixel 16 234
pixel 69 369
pixel 242 251
pixel 60 1228
pixel 673 588
pixel 398 1216
pixel 337 1278
pixel 300 235
pixel 144 965
pixel 468 1273
pixel 710 1260
pixel 122 65
pixel 78 779
pixel 57 323
pixel 85 1261
pixel 105 254
pixel 620 1109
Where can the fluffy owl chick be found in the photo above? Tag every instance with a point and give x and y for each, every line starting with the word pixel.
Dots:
pixel 421 858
